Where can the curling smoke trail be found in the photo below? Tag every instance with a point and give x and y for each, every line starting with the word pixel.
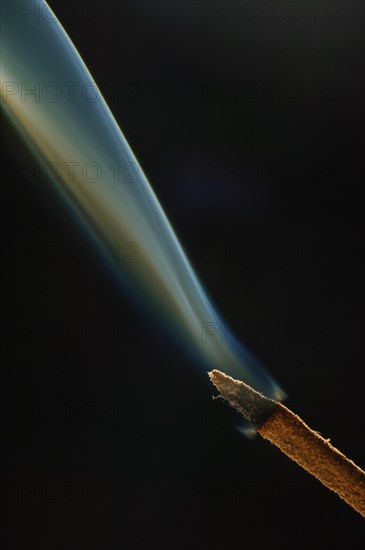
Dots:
pixel 49 95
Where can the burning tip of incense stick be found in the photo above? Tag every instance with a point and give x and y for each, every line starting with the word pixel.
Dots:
pixel 254 406
pixel 293 437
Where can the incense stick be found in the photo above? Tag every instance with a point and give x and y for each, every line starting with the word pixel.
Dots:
pixel 287 431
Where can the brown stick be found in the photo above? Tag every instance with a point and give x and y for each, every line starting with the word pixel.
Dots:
pixel 287 431
pixel 316 455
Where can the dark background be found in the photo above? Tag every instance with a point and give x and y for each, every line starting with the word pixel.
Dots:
pixel 249 127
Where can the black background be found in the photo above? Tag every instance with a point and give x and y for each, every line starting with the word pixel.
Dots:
pixel 251 135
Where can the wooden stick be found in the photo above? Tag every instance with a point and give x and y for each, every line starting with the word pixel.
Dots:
pixel 293 437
